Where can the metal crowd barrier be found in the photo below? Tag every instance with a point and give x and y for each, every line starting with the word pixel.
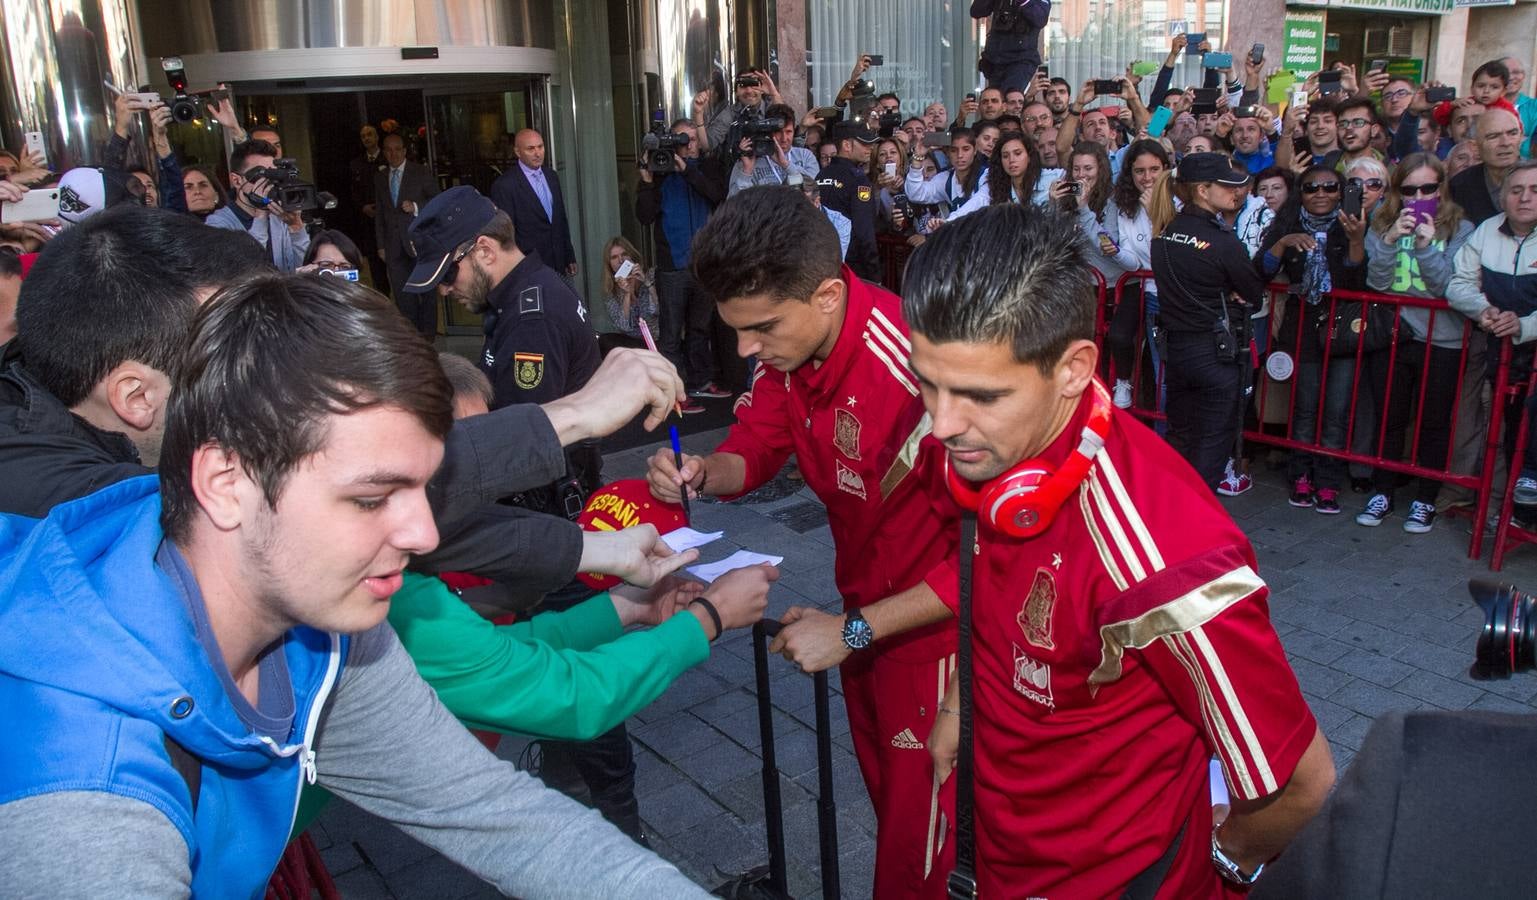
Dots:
pixel 1268 394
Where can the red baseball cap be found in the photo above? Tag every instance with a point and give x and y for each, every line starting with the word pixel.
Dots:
pixel 625 504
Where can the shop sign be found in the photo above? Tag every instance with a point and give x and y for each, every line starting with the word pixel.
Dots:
pixel 1462 3
pixel 1302 51
pixel 1434 7
pixel 1412 69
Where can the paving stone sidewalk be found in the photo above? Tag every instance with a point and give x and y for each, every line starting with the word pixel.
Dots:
pixel 1373 620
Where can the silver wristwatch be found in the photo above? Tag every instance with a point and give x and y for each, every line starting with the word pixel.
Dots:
pixel 1229 869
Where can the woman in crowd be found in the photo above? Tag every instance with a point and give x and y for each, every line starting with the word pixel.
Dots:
pixel 333 253
pixel 204 194
pixel 1203 143
pixel 1413 246
pixel 1015 176
pixel 888 168
pixel 1318 249
pixel 951 189
pixel 1089 171
pixel 1374 182
pixel 630 299
pixel 1145 165
pixel 1275 185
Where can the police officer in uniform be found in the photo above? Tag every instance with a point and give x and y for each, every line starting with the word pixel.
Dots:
pixel 538 348
pixel 844 186
pixel 1207 288
pixel 1013 48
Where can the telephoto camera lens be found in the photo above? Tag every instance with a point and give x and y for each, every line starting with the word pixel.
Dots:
pixel 1506 644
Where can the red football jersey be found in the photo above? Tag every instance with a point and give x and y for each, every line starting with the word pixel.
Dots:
pixel 854 424
pixel 1113 655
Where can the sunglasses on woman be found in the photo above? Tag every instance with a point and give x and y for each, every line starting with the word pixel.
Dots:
pixel 1328 187
pixel 1420 190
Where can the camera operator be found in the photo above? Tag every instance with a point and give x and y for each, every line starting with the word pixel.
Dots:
pixel 1198 263
pixel 754 90
pixel 279 230
pixel 676 205
pixel 845 188
pixel 1013 48
pixel 168 175
pixel 751 170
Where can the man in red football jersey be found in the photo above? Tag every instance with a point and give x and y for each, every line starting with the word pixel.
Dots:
pixel 832 386
pixel 1120 635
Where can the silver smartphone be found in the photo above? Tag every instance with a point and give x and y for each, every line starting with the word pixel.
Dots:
pixel 36 205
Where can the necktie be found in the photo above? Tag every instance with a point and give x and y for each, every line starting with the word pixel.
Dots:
pixel 395 187
pixel 543 190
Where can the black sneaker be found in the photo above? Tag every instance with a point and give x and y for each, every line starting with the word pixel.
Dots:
pixel 1422 516
pixel 1327 502
pixel 1302 492
pixel 1376 510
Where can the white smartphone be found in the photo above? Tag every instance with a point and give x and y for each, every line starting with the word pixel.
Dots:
pixel 625 269
pixel 36 147
pixel 36 205
pixel 1300 98
pixel 891 170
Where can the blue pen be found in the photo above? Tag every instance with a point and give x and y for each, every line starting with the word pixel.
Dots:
pixel 677 460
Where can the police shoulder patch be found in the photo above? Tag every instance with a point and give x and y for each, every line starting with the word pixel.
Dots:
pixel 531 301
pixel 864 193
pixel 528 370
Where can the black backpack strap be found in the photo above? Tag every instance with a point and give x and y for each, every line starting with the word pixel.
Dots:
pixel 189 767
pixel 963 880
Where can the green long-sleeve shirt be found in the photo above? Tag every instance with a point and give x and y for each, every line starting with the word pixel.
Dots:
pixel 570 675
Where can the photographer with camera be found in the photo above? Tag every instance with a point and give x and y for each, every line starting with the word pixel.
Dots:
pixel 755 90
pixel 676 204
pixel 768 151
pixel 252 210
pixel 1013 48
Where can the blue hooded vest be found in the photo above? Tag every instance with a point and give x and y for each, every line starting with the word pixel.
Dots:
pixel 100 664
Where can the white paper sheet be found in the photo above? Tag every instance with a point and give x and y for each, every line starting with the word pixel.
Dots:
pixel 686 538
pixel 708 572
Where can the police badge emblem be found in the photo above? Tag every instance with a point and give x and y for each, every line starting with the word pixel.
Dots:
pixel 864 193
pixel 846 433
pixel 1035 615
pixel 528 370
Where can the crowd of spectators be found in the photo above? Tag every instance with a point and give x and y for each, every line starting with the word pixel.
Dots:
pixel 1221 220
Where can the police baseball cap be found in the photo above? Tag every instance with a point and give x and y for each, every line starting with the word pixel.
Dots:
pixel 851 131
pixel 448 220
pixel 1197 168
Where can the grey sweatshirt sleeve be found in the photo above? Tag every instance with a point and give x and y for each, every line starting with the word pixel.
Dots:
pixel 536 552
pixel 388 745
pixel 88 844
pixel 1381 261
pixel 490 456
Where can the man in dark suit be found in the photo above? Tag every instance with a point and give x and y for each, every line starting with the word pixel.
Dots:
pixel 364 171
pixel 530 193
pixel 399 191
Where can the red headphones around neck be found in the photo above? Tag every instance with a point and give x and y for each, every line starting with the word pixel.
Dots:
pixel 1023 501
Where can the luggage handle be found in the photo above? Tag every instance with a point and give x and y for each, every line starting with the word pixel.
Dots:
pixel 773 802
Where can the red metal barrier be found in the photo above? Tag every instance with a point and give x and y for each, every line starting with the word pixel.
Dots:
pixel 894 252
pixel 1507 534
pixel 301 873
pixel 1282 304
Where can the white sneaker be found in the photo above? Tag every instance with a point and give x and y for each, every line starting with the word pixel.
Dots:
pixel 1123 399
pixel 1526 491
pixel 1376 510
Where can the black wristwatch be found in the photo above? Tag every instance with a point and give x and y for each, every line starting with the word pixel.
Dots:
pixel 857 633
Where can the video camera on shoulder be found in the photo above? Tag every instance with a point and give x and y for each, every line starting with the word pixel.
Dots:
pixel 760 129
pixel 185 104
pixel 289 190
pixel 888 123
pixel 660 145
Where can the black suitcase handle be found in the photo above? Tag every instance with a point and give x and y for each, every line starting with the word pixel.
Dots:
pixel 773 803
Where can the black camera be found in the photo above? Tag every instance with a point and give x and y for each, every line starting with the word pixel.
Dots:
pixel 889 123
pixel 753 126
pixel 660 146
pixel 748 81
pixel 184 104
pixel 289 191
pixel 1506 644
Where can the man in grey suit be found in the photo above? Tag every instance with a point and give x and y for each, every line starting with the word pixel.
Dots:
pixel 400 189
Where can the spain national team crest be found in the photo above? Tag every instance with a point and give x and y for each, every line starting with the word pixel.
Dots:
pixel 846 433
pixel 1035 615
pixel 864 193
pixel 528 369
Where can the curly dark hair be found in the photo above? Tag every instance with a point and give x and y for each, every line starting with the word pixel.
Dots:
pixel 999 189
pixel 1128 199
